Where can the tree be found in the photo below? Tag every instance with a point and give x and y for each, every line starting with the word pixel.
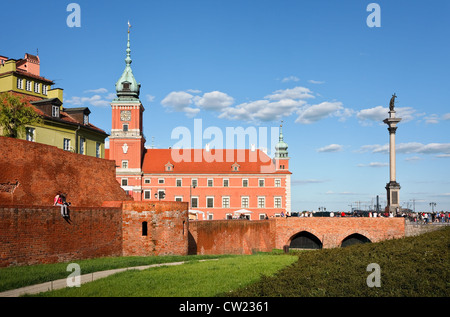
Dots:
pixel 15 115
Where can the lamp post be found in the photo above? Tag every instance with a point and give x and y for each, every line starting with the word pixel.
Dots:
pixel 190 194
pixel 432 204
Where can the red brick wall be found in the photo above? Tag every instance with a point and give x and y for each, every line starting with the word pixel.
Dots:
pixel 245 237
pixel 34 235
pixel 231 237
pixel 167 228
pixel 32 173
pixel 331 231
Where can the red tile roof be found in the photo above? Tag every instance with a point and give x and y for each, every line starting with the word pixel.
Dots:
pixel 208 162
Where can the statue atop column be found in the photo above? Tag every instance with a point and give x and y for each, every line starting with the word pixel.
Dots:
pixel 392 102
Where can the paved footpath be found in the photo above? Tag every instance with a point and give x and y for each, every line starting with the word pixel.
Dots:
pixel 62 283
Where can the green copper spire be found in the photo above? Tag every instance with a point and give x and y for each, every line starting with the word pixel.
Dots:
pixel 127 87
pixel 281 147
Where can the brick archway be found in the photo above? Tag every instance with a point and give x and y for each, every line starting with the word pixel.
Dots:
pixel 354 238
pixel 305 240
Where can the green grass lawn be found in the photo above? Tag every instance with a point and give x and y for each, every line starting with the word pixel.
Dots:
pixel 17 277
pixel 409 267
pixel 195 279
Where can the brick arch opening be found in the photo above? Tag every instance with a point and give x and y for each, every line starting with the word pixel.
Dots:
pixel 305 240
pixel 353 239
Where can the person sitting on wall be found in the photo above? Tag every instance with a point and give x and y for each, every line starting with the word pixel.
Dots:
pixel 60 200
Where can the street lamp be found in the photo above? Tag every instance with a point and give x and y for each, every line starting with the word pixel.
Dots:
pixel 190 194
pixel 432 204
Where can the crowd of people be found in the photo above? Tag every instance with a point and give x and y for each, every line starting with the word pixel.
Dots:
pixel 418 217
pixel 428 217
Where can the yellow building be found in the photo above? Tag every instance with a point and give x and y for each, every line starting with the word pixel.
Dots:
pixel 65 128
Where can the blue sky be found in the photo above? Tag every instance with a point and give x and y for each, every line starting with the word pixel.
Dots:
pixel 316 65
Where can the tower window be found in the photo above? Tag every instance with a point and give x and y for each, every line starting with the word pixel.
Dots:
pixel 126 86
pixel 125 127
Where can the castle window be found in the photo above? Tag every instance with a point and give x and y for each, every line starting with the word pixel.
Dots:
pixel 261 202
pixel 277 202
pixel 245 182
pixel 44 89
pixel 179 182
pixel 225 182
pixel 124 181
pixel 28 85
pixel 126 86
pixel 36 88
pixel 147 194
pixel 261 182
pixel 97 149
pixel 124 164
pixel 194 202
pixel 244 202
pixel 125 127
pixel 160 180
pixel 144 228
pixel 147 181
pixel 277 182
pixel 210 202
pixel 226 202
pixel 210 182
pixel 19 83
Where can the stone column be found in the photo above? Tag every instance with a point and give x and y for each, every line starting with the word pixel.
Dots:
pixel 392 188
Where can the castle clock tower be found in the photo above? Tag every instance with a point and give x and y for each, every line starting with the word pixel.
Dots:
pixel 126 142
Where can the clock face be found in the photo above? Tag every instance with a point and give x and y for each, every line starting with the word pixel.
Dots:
pixel 125 115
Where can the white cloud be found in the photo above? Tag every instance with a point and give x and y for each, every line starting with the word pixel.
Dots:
pixel 413 158
pixel 150 98
pixel 97 91
pixel 374 114
pixel 214 100
pixel 97 100
pixel 410 147
pixel 432 119
pixel 317 82
pixel 307 181
pixel 374 164
pixel 330 148
pixel 194 91
pixel 293 93
pixel 446 116
pixel 310 114
pixel 290 78
pixel 180 101
pixel 380 113
pixel 406 113
pixel 262 110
